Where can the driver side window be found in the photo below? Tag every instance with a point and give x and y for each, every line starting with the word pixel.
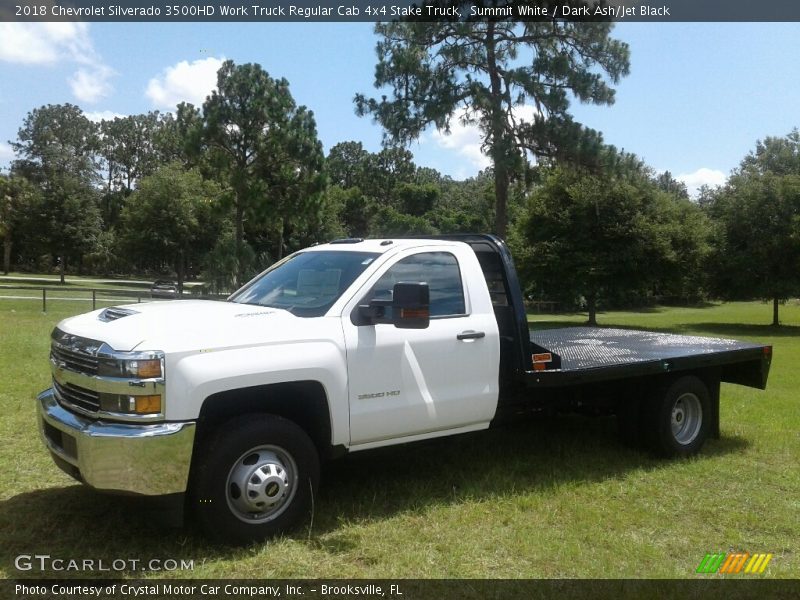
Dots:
pixel 439 270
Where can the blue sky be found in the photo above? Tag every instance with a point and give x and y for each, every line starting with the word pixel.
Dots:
pixel 698 97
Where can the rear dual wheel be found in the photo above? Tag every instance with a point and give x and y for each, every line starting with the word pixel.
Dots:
pixel 677 418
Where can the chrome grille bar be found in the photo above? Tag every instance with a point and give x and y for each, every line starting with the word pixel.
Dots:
pixel 79 398
pixel 75 361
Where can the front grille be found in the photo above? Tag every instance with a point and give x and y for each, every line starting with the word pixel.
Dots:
pixel 73 360
pixel 77 397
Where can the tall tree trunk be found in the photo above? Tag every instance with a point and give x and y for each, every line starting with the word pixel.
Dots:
pixel 7 243
pixel 239 275
pixel 501 200
pixel 591 306
pixel 281 234
pixel 180 270
pixel 775 321
pixel 498 135
pixel 62 264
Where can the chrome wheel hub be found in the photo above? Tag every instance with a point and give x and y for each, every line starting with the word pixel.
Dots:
pixel 261 484
pixel 687 418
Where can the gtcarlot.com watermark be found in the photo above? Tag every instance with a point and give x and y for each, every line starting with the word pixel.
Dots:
pixel 46 562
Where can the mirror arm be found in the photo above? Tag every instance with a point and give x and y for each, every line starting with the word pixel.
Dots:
pixel 375 310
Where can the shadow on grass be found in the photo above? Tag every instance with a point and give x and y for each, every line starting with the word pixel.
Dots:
pixel 731 330
pixel 554 324
pixel 74 522
pixel 603 324
pixel 537 456
pixel 535 325
pixel 645 310
pixel 642 310
pixel 743 329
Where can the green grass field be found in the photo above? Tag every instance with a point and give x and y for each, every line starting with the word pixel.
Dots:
pixel 52 279
pixel 77 291
pixel 549 498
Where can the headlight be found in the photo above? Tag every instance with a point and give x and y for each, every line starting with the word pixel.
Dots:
pixel 149 368
pixel 142 394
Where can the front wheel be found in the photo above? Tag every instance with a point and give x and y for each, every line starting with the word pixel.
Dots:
pixel 255 479
pixel 678 417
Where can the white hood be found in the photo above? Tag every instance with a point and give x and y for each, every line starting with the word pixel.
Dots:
pixel 181 325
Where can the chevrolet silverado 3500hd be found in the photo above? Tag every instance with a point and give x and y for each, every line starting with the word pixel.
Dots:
pixel 343 347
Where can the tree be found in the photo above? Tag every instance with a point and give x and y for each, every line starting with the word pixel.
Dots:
pixel 129 147
pixel 484 73
pixel 605 235
pixel 415 199
pixel 17 202
pixel 757 214
pixel 180 137
pixel 352 209
pixel 169 220
pixel 58 146
pixel 384 171
pixel 465 206
pixel 390 222
pixel 264 149
pixel 668 183
pixel 777 155
pixel 294 182
pixel 347 164
pixel 682 242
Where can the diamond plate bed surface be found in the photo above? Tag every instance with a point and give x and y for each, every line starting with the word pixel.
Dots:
pixel 592 347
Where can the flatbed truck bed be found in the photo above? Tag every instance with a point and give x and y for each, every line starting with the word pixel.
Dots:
pixel 591 354
pixel 664 388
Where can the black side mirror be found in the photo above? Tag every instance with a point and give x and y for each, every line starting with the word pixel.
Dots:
pixel 410 308
pixel 411 305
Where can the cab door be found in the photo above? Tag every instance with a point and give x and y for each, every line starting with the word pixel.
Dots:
pixel 410 382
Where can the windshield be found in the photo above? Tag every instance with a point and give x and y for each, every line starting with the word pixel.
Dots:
pixel 306 284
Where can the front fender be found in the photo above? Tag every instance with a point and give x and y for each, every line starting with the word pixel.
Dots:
pixel 194 377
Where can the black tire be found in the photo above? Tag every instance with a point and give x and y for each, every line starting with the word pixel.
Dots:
pixel 254 459
pixel 677 417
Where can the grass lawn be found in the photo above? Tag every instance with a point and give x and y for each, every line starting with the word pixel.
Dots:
pixel 52 279
pixel 548 498
pixel 77 291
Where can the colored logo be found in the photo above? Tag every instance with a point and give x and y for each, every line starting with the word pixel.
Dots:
pixel 736 562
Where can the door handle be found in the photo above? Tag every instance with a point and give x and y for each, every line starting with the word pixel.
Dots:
pixel 470 335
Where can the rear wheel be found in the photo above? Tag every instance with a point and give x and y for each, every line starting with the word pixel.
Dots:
pixel 255 479
pixel 677 418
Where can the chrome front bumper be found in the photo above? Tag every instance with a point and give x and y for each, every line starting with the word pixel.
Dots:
pixel 147 459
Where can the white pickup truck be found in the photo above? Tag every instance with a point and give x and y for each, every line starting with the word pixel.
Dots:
pixel 344 347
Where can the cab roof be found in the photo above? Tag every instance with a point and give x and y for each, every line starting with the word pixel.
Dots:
pixel 379 245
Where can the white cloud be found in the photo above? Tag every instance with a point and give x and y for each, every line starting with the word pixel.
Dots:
pixel 43 43
pixel 47 44
pixel 466 138
pixel 102 115
pixel 703 176
pixel 184 82
pixel 90 85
